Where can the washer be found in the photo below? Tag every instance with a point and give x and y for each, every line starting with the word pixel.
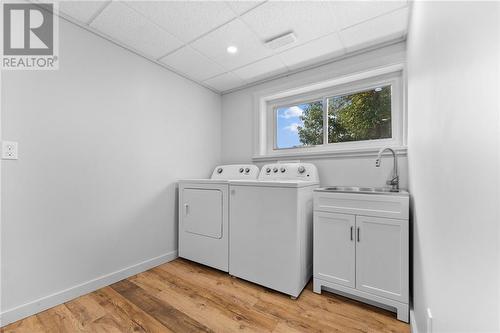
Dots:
pixel 204 212
pixel 271 227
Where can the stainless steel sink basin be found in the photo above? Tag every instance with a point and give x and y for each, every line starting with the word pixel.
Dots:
pixel 364 190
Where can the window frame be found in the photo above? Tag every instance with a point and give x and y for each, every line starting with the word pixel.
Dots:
pixel 267 123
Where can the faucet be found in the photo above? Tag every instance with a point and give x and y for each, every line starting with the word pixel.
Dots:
pixel 394 181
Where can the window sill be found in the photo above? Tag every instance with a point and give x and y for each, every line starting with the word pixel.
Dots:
pixel 338 153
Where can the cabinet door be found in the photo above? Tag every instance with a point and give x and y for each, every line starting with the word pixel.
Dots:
pixel 334 248
pixel 382 259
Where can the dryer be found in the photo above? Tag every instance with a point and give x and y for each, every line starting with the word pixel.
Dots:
pixel 204 215
pixel 270 227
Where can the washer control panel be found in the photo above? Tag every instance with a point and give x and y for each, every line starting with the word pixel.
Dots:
pixel 289 171
pixel 235 172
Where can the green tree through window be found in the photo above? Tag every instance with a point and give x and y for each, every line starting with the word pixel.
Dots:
pixel 311 133
pixel 359 116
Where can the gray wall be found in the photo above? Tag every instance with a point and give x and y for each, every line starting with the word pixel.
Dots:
pixel 453 61
pixel 102 142
pixel 238 116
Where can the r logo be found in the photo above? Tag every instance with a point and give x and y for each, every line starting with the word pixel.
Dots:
pixel 28 29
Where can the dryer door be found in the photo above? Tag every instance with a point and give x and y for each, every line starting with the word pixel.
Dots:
pixel 202 209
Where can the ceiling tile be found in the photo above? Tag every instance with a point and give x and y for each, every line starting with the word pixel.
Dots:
pixel 193 64
pixel 185 19
pixel 324 30
pixel 82 11
pixel 224 82
pixel 314 51
pixel 241 7
pixel 352 12
pixel 122 23
pixel 250 48
pixel 378 30
pixel 308 19
pixel 265 67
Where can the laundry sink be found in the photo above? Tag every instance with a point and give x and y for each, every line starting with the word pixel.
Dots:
pixel 363 190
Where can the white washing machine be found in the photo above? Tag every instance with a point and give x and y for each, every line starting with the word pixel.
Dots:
pixel 270 231
pixel 204 213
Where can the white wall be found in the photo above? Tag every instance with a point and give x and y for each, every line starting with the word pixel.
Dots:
pixel 102 142
pixel 238 115
pixel 453 59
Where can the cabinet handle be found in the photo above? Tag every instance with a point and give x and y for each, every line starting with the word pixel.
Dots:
pixel 358 234
pixel 351 233
pixel 186 209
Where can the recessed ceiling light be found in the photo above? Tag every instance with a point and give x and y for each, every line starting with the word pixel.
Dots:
pixel 232 49
pixel 378 89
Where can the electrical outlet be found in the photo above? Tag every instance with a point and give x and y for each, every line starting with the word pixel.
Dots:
pixel 429 321
pixel 9 150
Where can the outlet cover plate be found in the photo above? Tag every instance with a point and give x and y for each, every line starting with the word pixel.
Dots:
pixel 9 150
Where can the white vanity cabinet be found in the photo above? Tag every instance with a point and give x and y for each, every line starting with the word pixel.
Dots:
pixel 361 247
pixel 334 233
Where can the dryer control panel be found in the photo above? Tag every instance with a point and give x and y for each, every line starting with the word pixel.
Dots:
pixel 235 172
pixel 289 171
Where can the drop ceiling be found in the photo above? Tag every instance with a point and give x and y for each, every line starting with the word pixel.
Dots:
pixel 191 37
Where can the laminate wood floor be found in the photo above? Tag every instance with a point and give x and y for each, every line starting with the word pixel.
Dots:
pixel 182 296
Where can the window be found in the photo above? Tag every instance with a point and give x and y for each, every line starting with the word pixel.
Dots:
pixel 363 115
pixel 351 116
pixel 299 125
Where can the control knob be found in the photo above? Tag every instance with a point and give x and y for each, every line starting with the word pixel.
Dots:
pixel 247 170
pixel 219 170
pixel 241 170
pixel 268 170
pixel 282 170
pixel 301 169
pixel 275 169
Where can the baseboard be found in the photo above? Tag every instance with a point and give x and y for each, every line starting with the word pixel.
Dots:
pixel 413 322
pixel 47 302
